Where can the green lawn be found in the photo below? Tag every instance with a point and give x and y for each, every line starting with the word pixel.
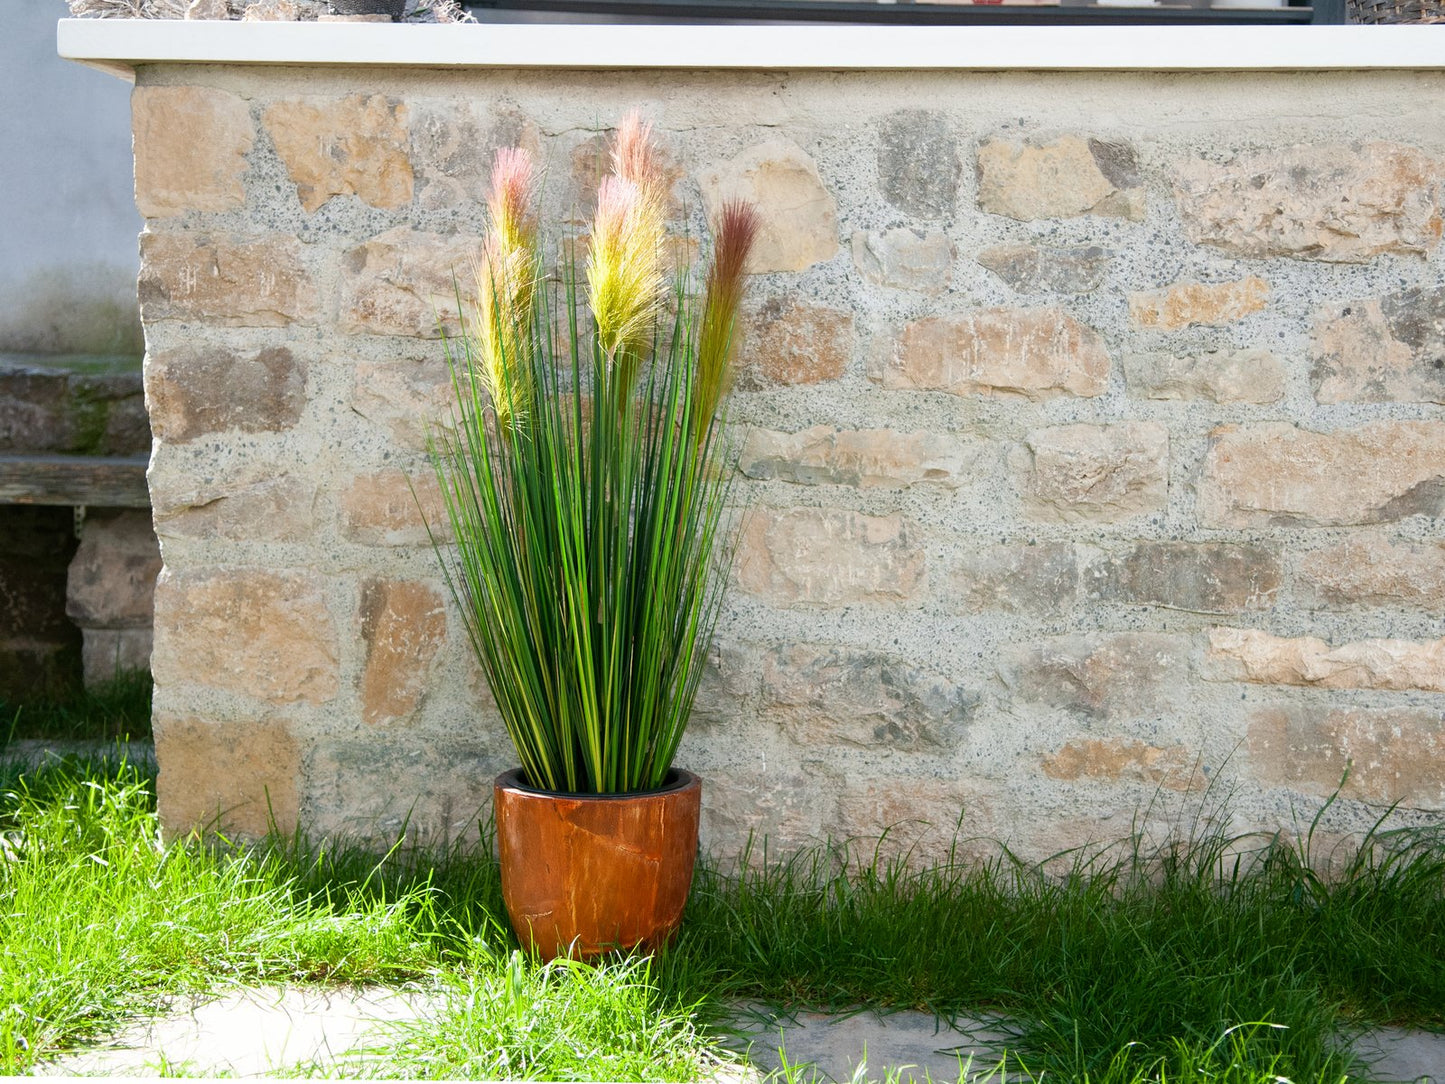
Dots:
pixel 1127 968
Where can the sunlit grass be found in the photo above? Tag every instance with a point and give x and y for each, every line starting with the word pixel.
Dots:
pixel 1125 966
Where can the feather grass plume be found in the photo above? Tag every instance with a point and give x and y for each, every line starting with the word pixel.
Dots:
pixel 591 549
pixel 734 233
pixel 506 284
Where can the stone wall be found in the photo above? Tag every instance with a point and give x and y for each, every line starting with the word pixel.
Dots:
pixel 1091 423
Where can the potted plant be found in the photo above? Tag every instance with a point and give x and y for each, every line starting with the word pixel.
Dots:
pixel 585 489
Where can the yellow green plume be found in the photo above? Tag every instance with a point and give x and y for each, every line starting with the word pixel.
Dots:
pixel 506 283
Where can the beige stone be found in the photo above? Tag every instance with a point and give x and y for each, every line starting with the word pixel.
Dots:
pixel 272 11
pixel 1095 473
pixel 403 282
pixel 1065 178
pixel 393 508
pixel 864 458
pixel 1101 675
pixel 1015 577
pixel 1188 303
pixel 1216 376
pixel 112 577
pixel 1389 349
pixel 1034 353
pixel 1049 268
pixel 787 341
pixel 232 280
pixel 780 806
pixel 208 9
pixel 1315 201
pixel 828 557
pixel 1204 577
pixel 1121 760
pixel 799 215
pixel 193 391
pixel 235 777
pixel 403 624
pixel 905 259
pixel 825 695
pixel 1277 475
pixel 107 653
pixel 926 820
pixel 1373 570
pixel 282 508
pixel 1254 656
pixel 408 399
pixel 1383 756
pixel 358 145
pixel 262 634
pixel 190 149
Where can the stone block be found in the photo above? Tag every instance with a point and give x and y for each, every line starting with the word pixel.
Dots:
pixel 1250 655
pixel 1032 269
pixel 905 259
pixel 392 508
pixel 1186 304
pixel 1094 473
pixel 1392 755
pixel 1207 577
pixel 1277 475
pixel 407 399
pixel 194 391
pixel 1033 353
pixel 826 695
pixel 918 163
pixel 828 557
pixel 46 408
pixel 282 508
pixel 107 653
pixel 1391 349
pixel 358 145
pixel 403 624
pixel 404 282
pixel 190 146
pixel 863 458
pixel 230 280
pixel 1121 760
pixel 453 148
pixel 799 216
pixel 926 820
pixel 436 788
pixel 240 778
pixel 1015 578
pixel 1065 178
pixel 1215 376
pixel 1101 675
pixel 1373 570
pixel 267 635
pixel 787 341
pixel 1314 201
pixel 113 576
pixel 780 808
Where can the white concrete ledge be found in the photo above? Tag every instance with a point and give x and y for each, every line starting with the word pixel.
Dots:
pixel 119 45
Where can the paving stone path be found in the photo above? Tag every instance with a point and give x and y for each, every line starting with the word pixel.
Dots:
pixel 252 1032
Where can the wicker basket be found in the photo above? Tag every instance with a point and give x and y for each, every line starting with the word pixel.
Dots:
pixel 1396 11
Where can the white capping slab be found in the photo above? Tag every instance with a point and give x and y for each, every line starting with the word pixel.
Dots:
pixel 118 45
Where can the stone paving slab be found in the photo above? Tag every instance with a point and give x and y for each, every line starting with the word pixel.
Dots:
pixel 249 1032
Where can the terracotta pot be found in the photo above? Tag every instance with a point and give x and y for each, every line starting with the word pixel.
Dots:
pixel 591 873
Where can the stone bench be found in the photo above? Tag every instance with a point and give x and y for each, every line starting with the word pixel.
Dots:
pixel 75 585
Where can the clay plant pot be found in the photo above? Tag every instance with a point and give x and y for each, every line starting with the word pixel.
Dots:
pixel 590 873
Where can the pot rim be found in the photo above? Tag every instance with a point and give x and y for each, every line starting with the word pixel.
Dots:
pixel 676 780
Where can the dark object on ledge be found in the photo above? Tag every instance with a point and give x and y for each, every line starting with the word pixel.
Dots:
pixel 394 8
